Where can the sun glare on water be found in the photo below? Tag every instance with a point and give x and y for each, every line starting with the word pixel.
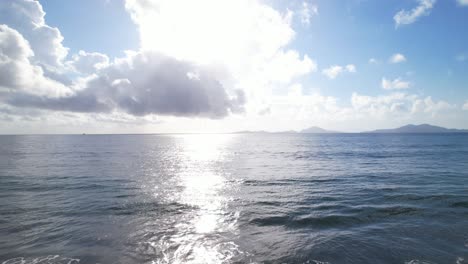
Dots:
pixel 204 184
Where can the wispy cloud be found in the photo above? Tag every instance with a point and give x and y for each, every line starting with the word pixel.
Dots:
pixel 333 71
pixel 405 17
pixel 397 58
pixel 395 84
pixel 373 61
pixel 307 12
pixel 462 56
pixel 463 2
pixel 351 68
pixel 465 106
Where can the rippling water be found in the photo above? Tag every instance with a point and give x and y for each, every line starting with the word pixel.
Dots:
pixel 234 199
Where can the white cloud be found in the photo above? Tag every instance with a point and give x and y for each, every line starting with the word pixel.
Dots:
pixel 297 107
pixel 465 106
pixel 244 51
pixel 375 105
pixel 397 103
pixel 296 66
pixel 243 28
pixel 88 62
pixel 395 84
pixel 429 106
pixel 27 17
pixel 17 73
pixel 360 113
pixel 146 83
pixel 373 61
pixel 351 68
pixel 333 71
pixel 306 12
pixel 404 17
pixel 397 58
pixel 463 2
pixel 248 42
pixel 49 55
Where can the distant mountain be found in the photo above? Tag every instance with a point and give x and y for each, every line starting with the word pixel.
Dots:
pixel 317 130
pixel 424 128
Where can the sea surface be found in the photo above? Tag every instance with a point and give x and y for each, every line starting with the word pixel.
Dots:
pixel 234 198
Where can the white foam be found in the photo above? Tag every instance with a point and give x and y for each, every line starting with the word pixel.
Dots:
pixel 417 261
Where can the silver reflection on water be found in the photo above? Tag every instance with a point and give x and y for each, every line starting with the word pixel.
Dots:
pixel 198 237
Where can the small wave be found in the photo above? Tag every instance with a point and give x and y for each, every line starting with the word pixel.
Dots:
pixel 148 207
pixel 326 221
pixel 51 259
pixel 361 216
pixel 289 182
pixel 269 203
pixel 463 204
pixel 392 211
pixel 418 197
pixel 417 261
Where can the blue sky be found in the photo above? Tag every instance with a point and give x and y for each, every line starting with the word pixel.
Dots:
pixel 321 62
pixel 360 30
pixel 94 25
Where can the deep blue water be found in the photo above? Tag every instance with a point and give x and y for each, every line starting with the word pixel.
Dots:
pixel 279 198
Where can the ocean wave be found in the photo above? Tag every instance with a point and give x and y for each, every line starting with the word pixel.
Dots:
pixel 149 207
pixel 364 215
pixel 417 261
pixel 51 259
pixel 290 181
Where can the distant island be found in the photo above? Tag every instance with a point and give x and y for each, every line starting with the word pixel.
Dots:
pixel 317 130
pixel 423 128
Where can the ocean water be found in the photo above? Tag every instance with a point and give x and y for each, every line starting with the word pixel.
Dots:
pixel 234 198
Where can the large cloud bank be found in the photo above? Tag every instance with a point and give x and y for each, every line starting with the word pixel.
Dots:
pixel 36 72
